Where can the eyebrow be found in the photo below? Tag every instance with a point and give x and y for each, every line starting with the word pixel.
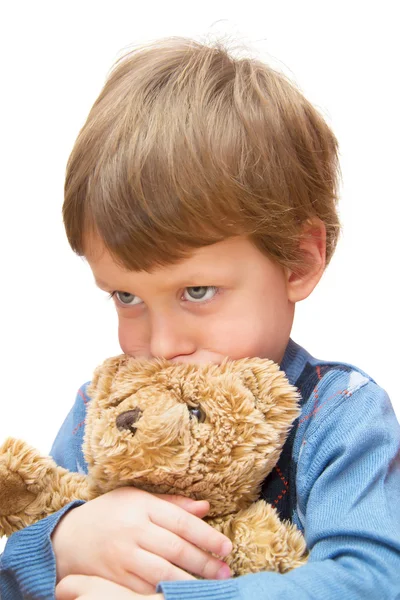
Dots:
pixel 102 284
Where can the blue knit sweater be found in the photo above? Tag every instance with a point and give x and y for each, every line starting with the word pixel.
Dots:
pixel 347 501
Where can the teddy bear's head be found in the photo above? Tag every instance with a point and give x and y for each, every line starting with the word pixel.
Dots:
pixel 210 432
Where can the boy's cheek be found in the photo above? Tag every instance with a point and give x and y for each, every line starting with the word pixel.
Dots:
pixel 262 330
pixel 132 340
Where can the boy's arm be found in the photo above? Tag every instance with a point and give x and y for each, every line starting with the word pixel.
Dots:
pixel 27 565
pixel 348 489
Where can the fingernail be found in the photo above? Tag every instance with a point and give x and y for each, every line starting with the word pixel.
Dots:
pixel 226 548
pixel 224 572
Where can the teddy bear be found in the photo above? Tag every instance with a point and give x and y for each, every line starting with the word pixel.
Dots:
pixel 209 432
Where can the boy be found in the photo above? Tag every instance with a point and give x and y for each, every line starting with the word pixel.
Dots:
pixel 202 192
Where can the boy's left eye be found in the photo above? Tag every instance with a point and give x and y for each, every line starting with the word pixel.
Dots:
pixel 199 293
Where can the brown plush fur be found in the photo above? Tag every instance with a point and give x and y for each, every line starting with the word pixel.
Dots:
pixel 211 432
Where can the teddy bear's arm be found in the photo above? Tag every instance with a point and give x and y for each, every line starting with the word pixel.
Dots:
pixel 33 486
pixel 261 541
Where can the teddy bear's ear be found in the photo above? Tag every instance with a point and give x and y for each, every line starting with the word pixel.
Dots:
pixel 273 394
pixel 121 375
pixel 108 369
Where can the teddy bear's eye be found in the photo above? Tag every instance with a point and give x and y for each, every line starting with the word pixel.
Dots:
pixel 197 413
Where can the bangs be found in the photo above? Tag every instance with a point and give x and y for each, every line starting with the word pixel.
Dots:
pixel 151 208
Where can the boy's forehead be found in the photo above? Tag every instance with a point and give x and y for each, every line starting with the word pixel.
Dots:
pixel 217 260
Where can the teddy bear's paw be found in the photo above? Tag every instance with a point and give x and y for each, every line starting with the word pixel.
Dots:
pixel 22 477
pixel 262 542
pixel 14 495
pixel 14 498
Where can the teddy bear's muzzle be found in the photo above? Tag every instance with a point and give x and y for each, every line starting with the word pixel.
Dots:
pixel 127 420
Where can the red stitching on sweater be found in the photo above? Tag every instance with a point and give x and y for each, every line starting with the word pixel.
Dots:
pixel 78 426
pixel 315 392
pixel 280 496
pixel 285 489
pixel 281 476
pixel 315 410
pixel 82 395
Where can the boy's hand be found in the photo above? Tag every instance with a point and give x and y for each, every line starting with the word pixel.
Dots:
pixel 82 587
pixel 137 539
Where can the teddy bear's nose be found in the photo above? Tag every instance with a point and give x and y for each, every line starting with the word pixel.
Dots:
pixel 127 419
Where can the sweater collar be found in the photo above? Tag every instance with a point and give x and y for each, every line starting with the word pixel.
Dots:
pixel 294 361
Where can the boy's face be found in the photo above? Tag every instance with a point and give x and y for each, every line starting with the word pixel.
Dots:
pixel 225 300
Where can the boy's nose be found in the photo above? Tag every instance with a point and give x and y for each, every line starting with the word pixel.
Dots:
pixel 171 339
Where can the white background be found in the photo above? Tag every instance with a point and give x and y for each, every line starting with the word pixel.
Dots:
pixel 55 325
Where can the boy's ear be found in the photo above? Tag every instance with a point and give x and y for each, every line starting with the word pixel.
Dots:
pixel 312 245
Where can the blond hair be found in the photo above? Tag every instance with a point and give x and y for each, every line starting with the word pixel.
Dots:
pixel 187 146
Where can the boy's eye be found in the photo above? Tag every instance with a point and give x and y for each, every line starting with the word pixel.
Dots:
pixel 127 299
pixel 199 293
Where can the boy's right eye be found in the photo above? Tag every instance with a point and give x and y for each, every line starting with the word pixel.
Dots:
pixel 127 299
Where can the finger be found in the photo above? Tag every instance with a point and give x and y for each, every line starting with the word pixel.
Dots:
pixel 135 583
pixel 154 568
pixel 196 507
pixel 192 529
pixel 183 554
pixel 83 586
pixel 73 586
pixel 128 577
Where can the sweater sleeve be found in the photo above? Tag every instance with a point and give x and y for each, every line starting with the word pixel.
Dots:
pixel 27 565
pixel 348 489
